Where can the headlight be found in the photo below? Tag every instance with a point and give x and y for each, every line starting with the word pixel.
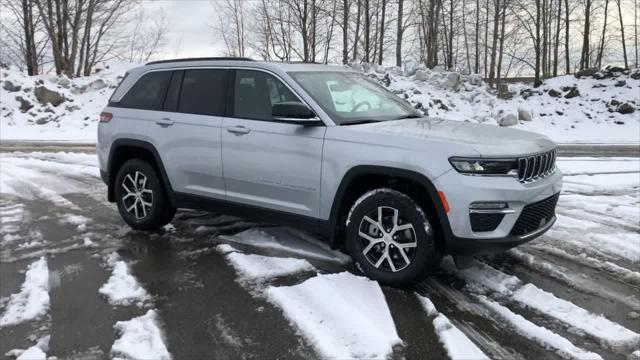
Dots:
pixel 485 166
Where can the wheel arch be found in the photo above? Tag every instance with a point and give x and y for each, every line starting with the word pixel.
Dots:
pixel 360 179
pixel 125 149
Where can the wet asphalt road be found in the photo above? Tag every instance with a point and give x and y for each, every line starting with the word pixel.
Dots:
pixel 207 313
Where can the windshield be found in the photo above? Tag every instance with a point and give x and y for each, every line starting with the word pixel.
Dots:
pixel 351 98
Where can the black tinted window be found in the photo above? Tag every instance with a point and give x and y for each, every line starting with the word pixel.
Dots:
pixel 173 93
pixel 148 92
pixel 203 92
pixel 255 92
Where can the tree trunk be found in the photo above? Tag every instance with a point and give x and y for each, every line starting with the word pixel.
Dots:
pixel 557 39
pixel 345 31
pixel 584 58
pixel 399 33
pixel 367 32
pixel 476 66
pixel 536 81
pixel 566 38
pixel 494 47
pixel 357 33
pixel 624 44
pixel 381 40
pixel 604 32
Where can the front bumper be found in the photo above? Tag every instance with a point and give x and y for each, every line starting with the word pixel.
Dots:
pixel 463 190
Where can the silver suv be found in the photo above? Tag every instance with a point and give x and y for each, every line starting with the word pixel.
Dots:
pixel 326 149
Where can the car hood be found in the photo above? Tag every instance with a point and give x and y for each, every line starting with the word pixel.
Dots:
pixel 488 140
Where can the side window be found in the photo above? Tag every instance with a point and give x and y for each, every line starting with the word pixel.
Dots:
pixel 173 93
pixel 255 92
pixel 148 92
pixel 203 92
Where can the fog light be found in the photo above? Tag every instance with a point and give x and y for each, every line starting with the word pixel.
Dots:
pixel 489 205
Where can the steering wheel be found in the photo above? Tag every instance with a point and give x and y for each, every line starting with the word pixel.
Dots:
pixel 361 104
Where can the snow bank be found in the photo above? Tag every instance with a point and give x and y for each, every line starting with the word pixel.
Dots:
pixel 541 335
pixel 33 299
pixel 353 322
pixel 457 344
pixel 140 339
pixel 23 117
pixel 122 288
pixel 257 267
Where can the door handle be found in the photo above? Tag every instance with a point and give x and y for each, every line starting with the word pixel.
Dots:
pixel 239 130
pixel 164 122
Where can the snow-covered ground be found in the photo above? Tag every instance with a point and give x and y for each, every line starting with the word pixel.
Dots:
pixel 566 109
pixel 233 289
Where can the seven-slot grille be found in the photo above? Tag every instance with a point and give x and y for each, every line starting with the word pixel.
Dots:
pixel 537 166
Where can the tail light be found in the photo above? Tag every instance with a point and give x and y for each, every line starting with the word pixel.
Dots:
pixel 106 117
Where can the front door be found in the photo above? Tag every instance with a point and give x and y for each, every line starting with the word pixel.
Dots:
pixel 269 164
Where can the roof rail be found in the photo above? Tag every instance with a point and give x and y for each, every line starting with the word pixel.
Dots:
pixel 199 59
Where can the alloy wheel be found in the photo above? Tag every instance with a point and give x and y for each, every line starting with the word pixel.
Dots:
pixel 389 242
pixel 138 199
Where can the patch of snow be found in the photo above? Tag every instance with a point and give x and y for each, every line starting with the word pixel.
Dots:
pixel 225 248
pixel 541 335
pixel 76 220
pixel 140 339
pixel 354 321
pixel 35 352
pixel 285 241
pixel 257 267
pixel 122 288
pixel 589 165
pixel 595 325
pixel 457 344
pixel 33 299
pixel 486 276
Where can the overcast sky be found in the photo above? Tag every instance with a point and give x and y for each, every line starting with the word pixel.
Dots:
pixel 190 32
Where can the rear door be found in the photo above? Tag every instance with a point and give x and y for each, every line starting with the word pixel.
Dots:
pixel 269 164
pixel 187 133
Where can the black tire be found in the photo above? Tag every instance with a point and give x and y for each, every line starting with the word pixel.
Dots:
pixel 142 217
pixel 424 257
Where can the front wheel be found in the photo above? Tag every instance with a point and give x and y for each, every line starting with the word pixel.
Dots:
pixel 141 198
pixel 390 238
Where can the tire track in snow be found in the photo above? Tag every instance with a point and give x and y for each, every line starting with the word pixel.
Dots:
pixel 510 288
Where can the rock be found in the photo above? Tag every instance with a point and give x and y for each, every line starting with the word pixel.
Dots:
pixel 599 75
pixel 77 90
pixel 64 81
pixel 508 120
pixel 554 93
pixel 420 75
pixel 559 112
pixel 25 105
pixel 43 120
pixel 452 80
pixel 46 96
pixel 586 73
pixel 524 114
pixel 441 104
pixel 625 108
pixel 97 84
pixel 526 93
pixel 573 92
pixel 635 75
pixel 10 87
pixel 615 69
pixel 618 122
pixel 633 315
pixel 386 80
pixel 614 102
pixel 620 83
pixel 419 106
pixel 417 92
pixel 599 86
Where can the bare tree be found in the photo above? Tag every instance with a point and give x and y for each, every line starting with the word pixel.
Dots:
pixel 624 45
pixel 230 25
pixel 146 37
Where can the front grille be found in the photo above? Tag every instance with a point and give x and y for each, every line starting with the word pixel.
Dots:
pixel 534 167
pixel 535 215
pixel 485 222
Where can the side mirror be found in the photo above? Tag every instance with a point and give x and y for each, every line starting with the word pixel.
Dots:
pixel 294 112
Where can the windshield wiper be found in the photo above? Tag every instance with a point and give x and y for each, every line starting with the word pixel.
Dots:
pixel 358 122
pixel 410 116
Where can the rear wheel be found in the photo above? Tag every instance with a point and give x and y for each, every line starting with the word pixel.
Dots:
pixel 390 238
pixel 142 200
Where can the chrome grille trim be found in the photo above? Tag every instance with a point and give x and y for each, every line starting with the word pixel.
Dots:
pixel 534 167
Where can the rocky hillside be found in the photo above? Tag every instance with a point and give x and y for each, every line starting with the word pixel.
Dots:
pixel 593 106
pixel 50 107
pixel 596 106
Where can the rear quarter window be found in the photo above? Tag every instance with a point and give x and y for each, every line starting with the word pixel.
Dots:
pixel 148 92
